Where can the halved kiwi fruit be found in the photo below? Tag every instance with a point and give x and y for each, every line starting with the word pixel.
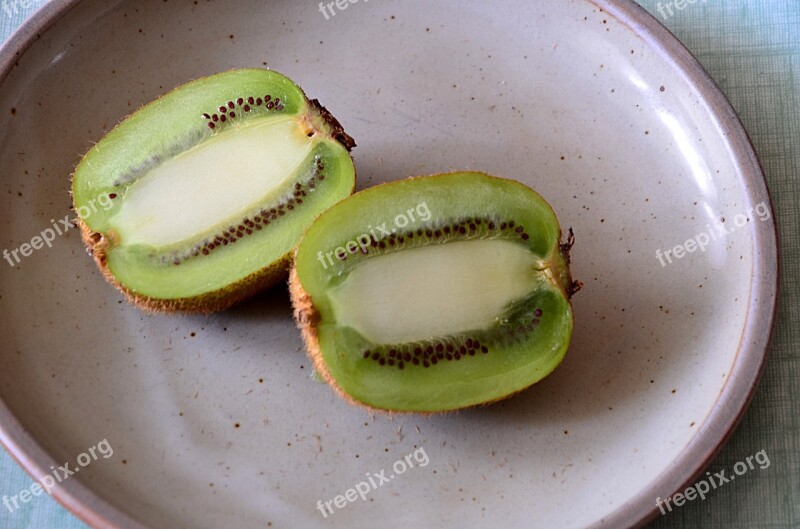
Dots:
pixel 435 293
pixel 196 200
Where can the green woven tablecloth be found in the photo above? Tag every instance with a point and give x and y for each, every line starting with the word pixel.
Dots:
pixel 752 49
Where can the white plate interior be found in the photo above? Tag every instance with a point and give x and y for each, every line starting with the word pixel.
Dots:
pixel 557 95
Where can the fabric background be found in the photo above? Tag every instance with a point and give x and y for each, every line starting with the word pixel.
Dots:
pixel 752 49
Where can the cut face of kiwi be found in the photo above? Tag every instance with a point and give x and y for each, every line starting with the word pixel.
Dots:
pixel 196 200
pixel 435 293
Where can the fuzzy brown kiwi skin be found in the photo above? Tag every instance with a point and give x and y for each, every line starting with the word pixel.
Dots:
pixel 97 247
pixel 307 318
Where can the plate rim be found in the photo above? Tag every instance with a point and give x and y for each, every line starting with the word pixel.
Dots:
pixel 732 402
pixel 756 339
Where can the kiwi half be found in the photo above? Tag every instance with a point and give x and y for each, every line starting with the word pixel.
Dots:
pixel 435 293
pixel 195 201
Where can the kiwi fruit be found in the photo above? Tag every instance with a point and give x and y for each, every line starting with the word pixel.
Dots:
pixel 206 191
pixel 435 293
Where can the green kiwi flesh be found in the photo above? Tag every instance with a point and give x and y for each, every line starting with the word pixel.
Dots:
pixel 435 293
pixel 197 200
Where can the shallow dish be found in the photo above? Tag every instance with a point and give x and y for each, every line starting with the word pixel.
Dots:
pixel 217 422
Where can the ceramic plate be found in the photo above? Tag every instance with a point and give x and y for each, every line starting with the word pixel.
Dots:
pixel 218 422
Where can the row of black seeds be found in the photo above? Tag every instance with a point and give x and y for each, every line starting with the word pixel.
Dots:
pixel 430 355
pixel 465 229
pixel 228 112
pixel 255 223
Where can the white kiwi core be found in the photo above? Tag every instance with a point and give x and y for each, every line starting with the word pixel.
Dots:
pixel 213 183
pixel 433 291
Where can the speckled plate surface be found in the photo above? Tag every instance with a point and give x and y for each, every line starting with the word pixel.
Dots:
pixel 217 422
